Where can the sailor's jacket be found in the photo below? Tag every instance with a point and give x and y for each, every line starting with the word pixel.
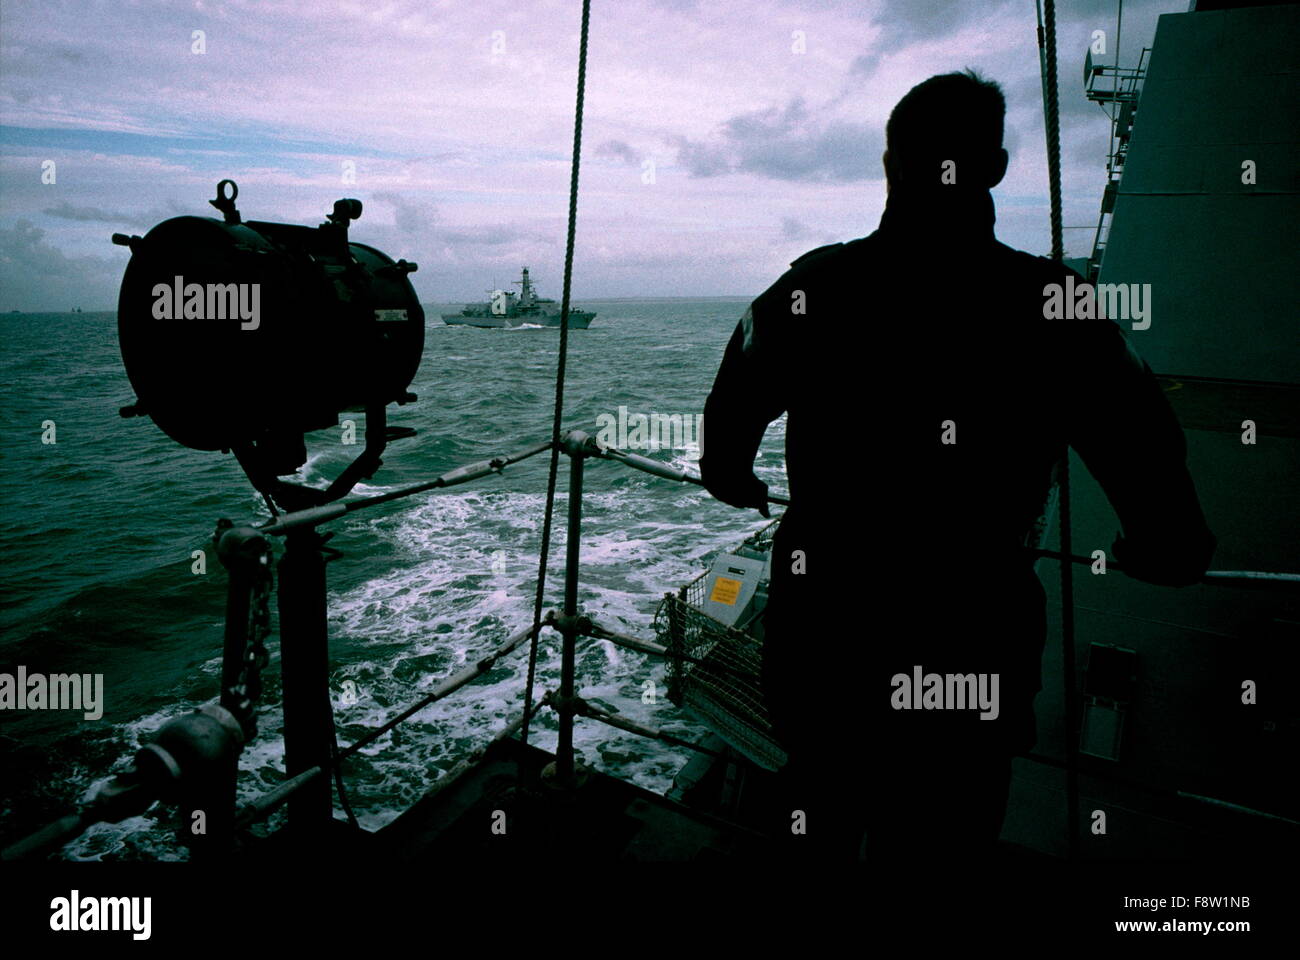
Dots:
pixel 928 396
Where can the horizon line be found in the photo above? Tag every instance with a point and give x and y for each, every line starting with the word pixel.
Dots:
pixel 452 303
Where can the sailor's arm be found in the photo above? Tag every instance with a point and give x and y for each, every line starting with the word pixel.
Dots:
pixel 1122 426
pixel 744 400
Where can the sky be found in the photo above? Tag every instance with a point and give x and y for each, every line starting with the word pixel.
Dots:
pixel 721 139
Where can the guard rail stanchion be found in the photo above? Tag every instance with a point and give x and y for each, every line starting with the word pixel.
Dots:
pixel 578 446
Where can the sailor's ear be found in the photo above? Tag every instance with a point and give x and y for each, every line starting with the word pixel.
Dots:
pixel 999 168
pixel 884 162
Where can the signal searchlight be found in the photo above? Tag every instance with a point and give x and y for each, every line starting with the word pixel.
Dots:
pixel 245 335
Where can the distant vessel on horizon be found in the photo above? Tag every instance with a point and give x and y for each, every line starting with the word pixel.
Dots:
pixel 505 308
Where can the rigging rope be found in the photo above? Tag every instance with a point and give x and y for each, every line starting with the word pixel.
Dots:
pixel 1052 123
pixel 336 762
pixel 544 553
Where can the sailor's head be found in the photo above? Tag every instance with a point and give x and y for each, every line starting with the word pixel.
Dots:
pixel 946 133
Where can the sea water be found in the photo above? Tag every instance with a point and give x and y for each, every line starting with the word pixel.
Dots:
pixel 99 529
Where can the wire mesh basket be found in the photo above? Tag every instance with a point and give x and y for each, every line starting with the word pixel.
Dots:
pixel 715 670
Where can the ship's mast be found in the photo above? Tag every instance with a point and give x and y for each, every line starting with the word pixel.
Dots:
pixel 526 290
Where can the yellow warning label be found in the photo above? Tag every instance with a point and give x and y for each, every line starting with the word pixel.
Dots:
pixel 725 590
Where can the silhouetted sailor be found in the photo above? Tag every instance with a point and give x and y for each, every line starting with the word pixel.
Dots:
pixel 928 398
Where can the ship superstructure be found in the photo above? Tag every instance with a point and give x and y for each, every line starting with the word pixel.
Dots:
pixel 1185 732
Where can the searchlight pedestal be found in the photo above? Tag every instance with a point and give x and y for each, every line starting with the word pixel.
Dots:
pixel 244 336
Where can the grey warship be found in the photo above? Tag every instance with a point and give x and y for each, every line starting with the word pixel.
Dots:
pixel 505 308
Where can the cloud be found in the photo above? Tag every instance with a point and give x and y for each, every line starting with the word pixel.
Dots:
pixel 23 248
pixel 864 63
pixel 701 159
pixel 1090 148
pixel 619 150
pixel 1070 101
pixel 66 211
pixel 492 236
pixel 470 150
pixel 1010 139
pixel 910 21
pixel 785 144
pixel 409 216
pixel 34 274
pixel 792 229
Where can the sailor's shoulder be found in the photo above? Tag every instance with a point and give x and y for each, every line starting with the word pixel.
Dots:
pixel 813 271
pixel 1045 267
pixel 816 253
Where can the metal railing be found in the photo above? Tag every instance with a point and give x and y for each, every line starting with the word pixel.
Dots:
pixel 133 792
pixel 309 731
pixel 1123 94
